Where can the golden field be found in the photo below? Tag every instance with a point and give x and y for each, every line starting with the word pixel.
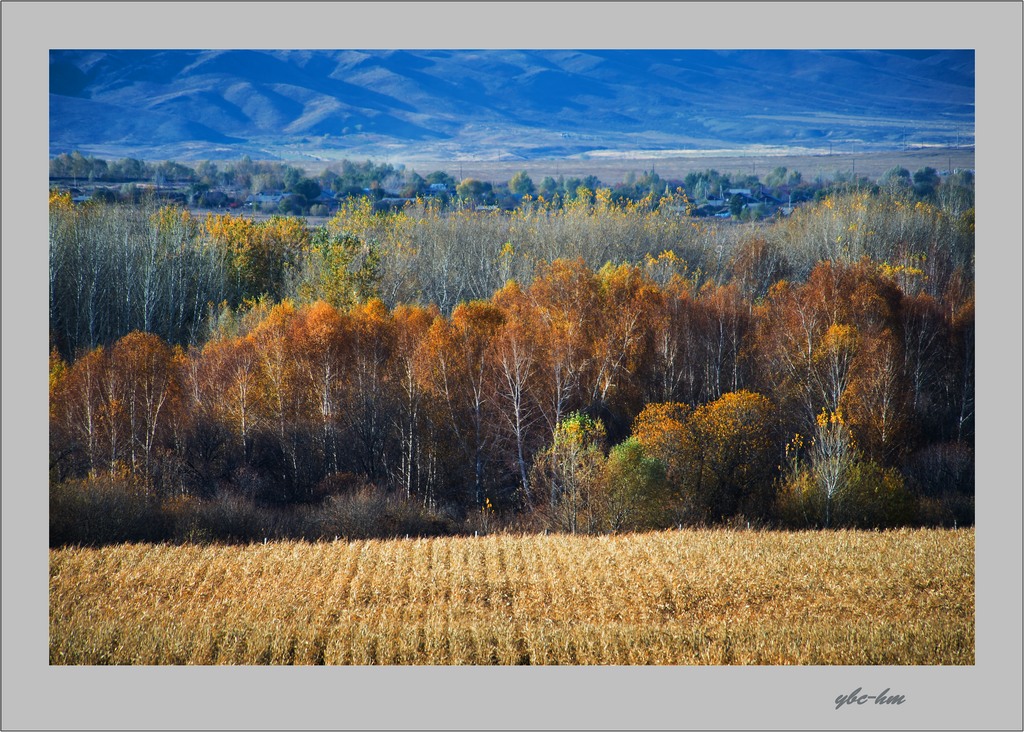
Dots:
pixel 682 597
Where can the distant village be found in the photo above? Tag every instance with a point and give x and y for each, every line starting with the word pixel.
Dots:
pixel 261 189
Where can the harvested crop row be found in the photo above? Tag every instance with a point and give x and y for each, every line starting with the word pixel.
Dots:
pixel 688 597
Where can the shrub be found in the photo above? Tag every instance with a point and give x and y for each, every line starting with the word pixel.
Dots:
pixel 799 503
pixel 872 497
pixel 370 512
pixel 105 509
pixel 233 519
pixel 949 509
pixel 876 498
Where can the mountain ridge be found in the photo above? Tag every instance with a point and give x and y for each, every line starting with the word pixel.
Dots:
pixel 461 104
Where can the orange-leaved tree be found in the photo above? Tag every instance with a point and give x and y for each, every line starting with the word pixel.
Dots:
pixel 149 392
pixel 371 396
pixel 413 468
pixel 454 367
pixel 567 305
pixel 515 361
pixel 321 340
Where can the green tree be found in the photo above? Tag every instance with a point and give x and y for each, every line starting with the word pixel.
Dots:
pixel 208 173
pixel 308 188
pixel 293 205
pixel 549 187
pixel 292 177
pixel 440 176
pixel 521 184
pixel 876 498
pixel 926 180
pixel 473 190
pixel 636 490
pixel 777 177
pixel 896 180
pixel 736 204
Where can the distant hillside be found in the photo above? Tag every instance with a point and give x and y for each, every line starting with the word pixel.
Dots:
pixel 502 105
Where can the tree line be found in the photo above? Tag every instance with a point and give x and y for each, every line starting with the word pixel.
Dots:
pixel 212 185
pixel 626 396
pixel 115 268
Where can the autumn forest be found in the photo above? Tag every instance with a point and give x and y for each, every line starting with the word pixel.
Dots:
pixel 597 366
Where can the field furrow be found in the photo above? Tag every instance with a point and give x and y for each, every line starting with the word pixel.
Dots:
pixel 683 598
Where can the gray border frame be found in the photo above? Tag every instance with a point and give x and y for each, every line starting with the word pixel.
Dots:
pixel 37 696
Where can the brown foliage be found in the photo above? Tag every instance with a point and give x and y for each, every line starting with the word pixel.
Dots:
pixel 454 409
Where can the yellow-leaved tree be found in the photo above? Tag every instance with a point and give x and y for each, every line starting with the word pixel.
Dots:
pixel 720 458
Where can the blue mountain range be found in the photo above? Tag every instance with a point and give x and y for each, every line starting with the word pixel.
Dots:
pixel 447 104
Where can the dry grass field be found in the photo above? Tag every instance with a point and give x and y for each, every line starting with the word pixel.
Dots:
pixel 614 168
pixel 684 598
